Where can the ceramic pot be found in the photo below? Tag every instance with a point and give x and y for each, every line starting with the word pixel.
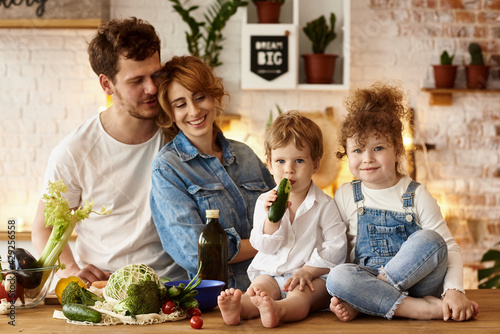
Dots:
pixel 320 67
pixel 477 76
pixel 268 11
pixel 445 75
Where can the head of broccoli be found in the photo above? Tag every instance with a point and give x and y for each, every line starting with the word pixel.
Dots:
pixel 74 293
pixel 142 298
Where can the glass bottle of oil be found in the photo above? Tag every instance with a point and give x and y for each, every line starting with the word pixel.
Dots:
pixel 213 249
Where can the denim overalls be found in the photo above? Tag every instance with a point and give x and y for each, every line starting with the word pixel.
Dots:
pixel 381 233
pixel 412 260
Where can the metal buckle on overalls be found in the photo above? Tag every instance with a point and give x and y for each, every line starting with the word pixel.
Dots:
pixel 409 217
pixel 361 211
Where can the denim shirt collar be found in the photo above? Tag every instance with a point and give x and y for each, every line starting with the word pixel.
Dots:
pixel 188 151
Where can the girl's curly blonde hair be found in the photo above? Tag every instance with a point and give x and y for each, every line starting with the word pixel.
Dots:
pixel 380 108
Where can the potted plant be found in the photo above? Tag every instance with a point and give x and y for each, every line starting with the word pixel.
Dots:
pixel 319 66
pixel 206 43
pixel 445 73
pixel 268 11
pixel 489 277
pixel 476 72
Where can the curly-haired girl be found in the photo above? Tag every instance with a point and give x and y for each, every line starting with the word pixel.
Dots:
pixel 403 255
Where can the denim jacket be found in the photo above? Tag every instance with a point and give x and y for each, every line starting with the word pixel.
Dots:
pixel 187 182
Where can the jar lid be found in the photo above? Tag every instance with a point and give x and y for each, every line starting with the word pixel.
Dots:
pixel 212 213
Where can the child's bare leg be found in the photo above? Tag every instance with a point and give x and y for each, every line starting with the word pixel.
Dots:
pixel 425 308
pixel 343 310
pixel 294 307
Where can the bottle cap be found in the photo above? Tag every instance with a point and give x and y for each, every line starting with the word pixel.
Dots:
pixel 212 213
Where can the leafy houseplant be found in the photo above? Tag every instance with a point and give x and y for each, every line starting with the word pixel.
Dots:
pixel 268 11
pixel 490 277
pixel 205 37
pixel 476 72
pixel 445 73
pixel 320 67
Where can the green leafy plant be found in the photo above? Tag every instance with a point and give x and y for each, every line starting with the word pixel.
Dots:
pixel 489 278
pixel 476 54
pixel 268 1
pixel 205 37
pixel 446 59
pixel 319 33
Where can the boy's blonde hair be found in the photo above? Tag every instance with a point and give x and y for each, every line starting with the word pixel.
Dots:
pixel 295 127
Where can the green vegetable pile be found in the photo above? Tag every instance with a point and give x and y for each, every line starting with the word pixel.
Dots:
pixel 136 289
pixel 143 298
pixel 74 293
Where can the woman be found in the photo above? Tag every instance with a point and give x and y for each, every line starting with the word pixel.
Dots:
pixel 200 169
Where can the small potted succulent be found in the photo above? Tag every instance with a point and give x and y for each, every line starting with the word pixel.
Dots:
pixel 445 73
pixel 319 66
pixel 268 11
pixel 476 72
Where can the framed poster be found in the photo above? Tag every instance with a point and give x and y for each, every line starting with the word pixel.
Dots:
pixel 269 53
pixel 53 14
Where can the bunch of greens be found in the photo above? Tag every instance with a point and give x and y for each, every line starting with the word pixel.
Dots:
pixel 63 220
pixel 74 293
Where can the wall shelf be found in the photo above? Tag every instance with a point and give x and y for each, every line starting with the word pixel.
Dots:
pixel 444 96
pixel 291 75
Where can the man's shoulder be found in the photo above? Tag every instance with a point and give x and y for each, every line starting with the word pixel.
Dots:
pixel 80 139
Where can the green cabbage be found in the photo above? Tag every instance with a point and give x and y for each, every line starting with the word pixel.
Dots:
pixel 120 280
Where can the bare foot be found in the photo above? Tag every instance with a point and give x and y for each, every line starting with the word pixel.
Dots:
pixel 268 308
pixel 342 310
pixel 229 302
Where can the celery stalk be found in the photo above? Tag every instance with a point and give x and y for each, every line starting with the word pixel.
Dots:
pixel 63 221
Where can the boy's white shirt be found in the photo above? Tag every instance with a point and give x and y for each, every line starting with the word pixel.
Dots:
pixel 425 208
pixel 316 238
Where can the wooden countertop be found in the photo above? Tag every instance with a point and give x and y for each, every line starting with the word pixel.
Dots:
pixel 39 320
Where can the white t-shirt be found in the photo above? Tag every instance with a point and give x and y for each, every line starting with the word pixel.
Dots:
pixel 316 238
pixel 96 166
pixel 425 208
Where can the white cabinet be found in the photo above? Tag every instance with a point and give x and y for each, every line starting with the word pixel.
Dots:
pixel 281 45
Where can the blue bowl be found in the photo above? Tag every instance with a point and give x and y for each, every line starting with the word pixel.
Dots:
pixel 208 291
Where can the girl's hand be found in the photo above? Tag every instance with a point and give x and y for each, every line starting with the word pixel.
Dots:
pixel 458 307
pixel 302 277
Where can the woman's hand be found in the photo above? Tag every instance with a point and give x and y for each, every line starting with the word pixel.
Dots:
pixel 91 273
pixel 301 278
pixel 458 307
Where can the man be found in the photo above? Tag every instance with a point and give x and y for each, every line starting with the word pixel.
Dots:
pixel 108 158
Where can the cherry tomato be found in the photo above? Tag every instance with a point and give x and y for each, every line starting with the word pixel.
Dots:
pixel 168 307
pixel 194 311
pixel 196 322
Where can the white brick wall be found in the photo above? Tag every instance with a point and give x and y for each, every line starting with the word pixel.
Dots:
pixel 48 88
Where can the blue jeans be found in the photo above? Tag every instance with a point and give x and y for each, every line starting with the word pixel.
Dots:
pixel 418 270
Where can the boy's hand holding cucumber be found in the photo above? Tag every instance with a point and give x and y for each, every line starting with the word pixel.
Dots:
pixel 278 207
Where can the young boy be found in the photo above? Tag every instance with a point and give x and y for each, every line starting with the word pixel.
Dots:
pixel 295 254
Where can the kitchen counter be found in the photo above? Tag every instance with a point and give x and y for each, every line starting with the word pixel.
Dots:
pixel 39 320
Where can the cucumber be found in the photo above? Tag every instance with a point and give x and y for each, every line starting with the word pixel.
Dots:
pixel 277 210
pixel 79 312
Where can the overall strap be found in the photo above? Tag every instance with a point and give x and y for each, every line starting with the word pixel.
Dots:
pixel 410 194
pixel 356 189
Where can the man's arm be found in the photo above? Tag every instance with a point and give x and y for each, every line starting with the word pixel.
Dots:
pixel 39 237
